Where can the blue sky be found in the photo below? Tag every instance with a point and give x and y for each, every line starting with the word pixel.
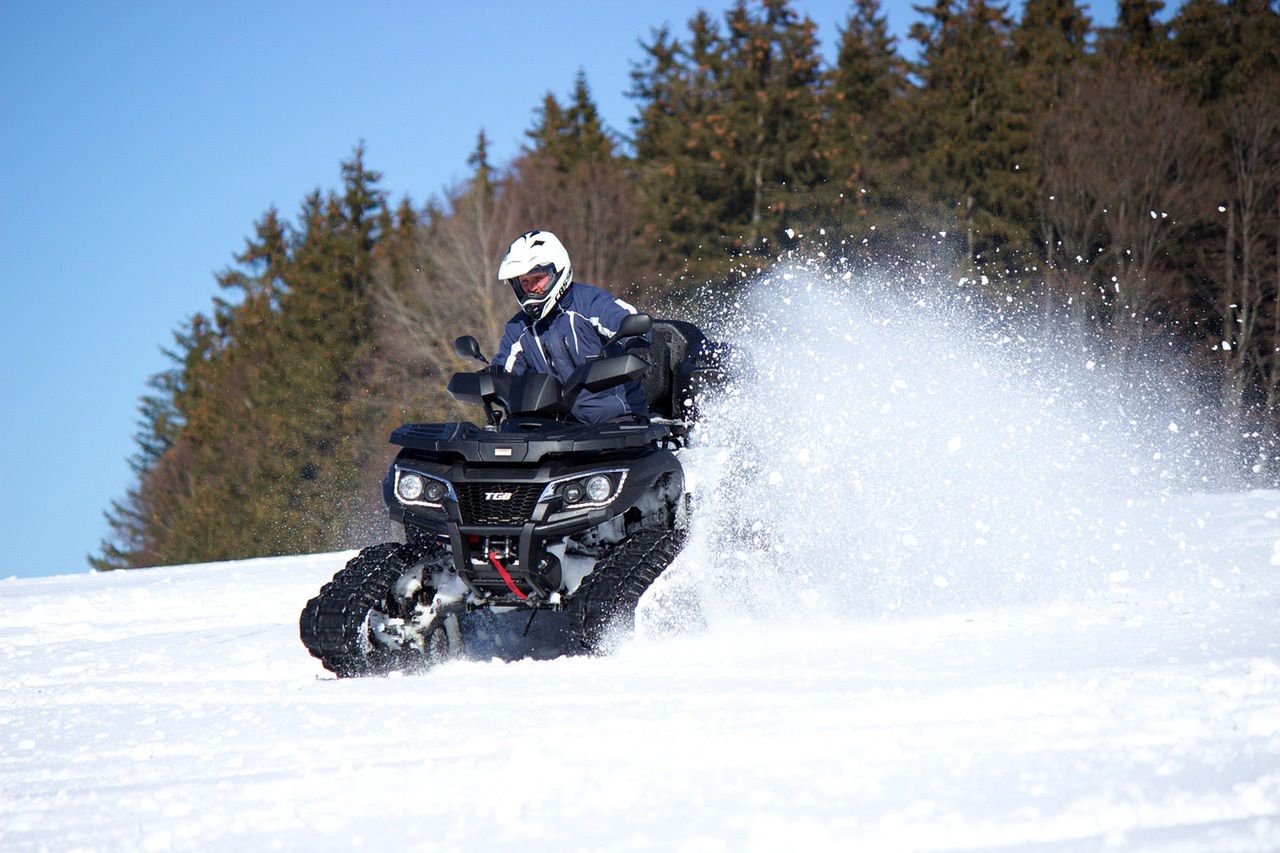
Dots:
pixel 140 140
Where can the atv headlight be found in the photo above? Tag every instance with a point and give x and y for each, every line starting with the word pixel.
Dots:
pixel 588 490
pixel 415 489
pixel 599 488
pixel 409 487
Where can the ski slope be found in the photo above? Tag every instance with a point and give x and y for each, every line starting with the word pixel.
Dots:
pixel 953 581
pixel 175 709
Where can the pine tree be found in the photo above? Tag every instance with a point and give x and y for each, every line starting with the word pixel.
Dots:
pixel 728 138
pixel 864 135
pixel 976 126
pixel 256 452
pixel 684 188
pixel 1138 35
pixel 566 137
pixel 1049 40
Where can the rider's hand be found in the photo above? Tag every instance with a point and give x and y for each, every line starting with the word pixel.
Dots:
pixel 494 370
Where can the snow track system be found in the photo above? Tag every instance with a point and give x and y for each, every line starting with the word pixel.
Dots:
pixel 609 595
pixel 348 626
pixel 334 625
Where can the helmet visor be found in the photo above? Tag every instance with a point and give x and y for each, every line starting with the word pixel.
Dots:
pixel 536 282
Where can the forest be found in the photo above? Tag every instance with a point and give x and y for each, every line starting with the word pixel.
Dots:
pixel 1125 176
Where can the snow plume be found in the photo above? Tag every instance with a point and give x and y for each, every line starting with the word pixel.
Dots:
pixel 889 448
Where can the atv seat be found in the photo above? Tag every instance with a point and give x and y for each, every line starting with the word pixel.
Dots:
pixel 681 361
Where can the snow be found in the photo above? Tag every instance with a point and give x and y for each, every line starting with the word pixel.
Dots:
pixel 176 708
pixel 1007 611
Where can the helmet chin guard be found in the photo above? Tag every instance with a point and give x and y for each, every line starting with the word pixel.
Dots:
pixel 528 252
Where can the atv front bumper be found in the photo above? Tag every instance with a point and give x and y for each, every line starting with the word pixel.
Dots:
pixel 524 507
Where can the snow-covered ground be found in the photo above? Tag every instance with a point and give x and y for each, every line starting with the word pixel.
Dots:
pixel 175 708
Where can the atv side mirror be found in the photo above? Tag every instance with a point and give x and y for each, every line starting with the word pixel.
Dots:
pixel 468 347
pixel 632 326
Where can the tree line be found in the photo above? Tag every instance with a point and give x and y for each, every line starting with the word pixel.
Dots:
pixel 1127 175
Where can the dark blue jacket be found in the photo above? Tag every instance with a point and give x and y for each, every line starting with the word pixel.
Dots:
pixel 583 319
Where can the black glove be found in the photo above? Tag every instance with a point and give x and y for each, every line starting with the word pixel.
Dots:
pixel 494 370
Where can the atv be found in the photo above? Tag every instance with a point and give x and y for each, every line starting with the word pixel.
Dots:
pixel 530 513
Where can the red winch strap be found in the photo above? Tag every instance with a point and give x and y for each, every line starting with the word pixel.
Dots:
pixel 511 585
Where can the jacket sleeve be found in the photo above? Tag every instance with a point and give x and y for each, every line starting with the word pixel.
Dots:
pixel 510 355
pixel 606 313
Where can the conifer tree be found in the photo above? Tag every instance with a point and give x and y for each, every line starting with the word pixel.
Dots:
pixel 590 142
pixel 865 132
pixel 551 127
pixel 770 115
pixel 573 182
pixel 268 397
pixel 1051 37
pixel 868 74
pixel 574 135
pixel 1137 22
pixel 481 168
pixel 1138 35
pixel 684 188
pixel 1049 43
pixel 728 137
pixel 975 125
pixel 139 521
pixel 1219 49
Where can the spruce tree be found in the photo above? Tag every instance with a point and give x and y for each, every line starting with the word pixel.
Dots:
pixel 975 127
pixel 575 183
pixel 1137 22
pixel 728 138
pixel 481 168
pixel 685 190
pixel 268 397
pixel 139 522
pixel 1138 35
pixel 1222 49
pixel 1050 39
pixel 573 135
pixel 865 131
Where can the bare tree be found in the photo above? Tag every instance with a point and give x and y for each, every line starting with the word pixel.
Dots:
pixel 450 291
pixel 594 209
pixel 1247 302
pixel 1125 159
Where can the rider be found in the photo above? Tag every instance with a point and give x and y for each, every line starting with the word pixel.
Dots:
pixel 561 324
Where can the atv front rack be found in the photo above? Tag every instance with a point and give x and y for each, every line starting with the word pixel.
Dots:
pixel 518 443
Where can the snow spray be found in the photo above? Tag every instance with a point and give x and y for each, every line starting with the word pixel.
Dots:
pixel 896 447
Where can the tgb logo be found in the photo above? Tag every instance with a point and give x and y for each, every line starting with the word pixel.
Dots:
pixel 498 496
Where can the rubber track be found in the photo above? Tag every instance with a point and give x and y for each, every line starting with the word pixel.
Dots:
pixel 332 625
pixel 611 592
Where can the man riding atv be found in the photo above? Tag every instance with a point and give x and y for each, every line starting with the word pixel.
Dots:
pixel 569 500
pixel 562 325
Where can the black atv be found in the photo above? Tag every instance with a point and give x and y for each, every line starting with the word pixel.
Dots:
pixel 531 513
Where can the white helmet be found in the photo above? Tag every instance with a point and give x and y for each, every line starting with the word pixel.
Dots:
pixel 529 252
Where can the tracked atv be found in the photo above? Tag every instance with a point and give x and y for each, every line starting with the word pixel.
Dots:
pixel 531 513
